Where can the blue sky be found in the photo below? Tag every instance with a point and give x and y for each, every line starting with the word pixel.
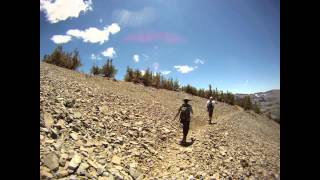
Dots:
pixel 233 45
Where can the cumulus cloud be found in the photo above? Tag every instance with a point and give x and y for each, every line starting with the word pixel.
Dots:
pixel 61 10
pixel 95 57
pixel 199 61
pixel 94 35
pixel 156 66
pixel 110 52
pixel 143 72
pixel 165 72
pixel 184 68
pixel 136 58
pixel 134 18
pixel 60 39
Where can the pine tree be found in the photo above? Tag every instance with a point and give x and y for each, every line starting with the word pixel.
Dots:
pixel 147 78
pixel 109 70
pixel 63 59
pixel 129 76
pixel 95 70
pixel 137 76
pixel 176 85
pixel 256 108
pixel 156 81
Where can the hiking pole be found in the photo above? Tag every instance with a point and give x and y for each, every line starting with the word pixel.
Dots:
pixel 174 120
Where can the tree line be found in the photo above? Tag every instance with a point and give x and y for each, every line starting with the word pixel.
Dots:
pixel 157 80
pixel 148 78
pixel 107 70
pixel 69 60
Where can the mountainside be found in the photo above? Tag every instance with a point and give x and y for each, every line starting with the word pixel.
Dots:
pixel 268 101
pixel 94 128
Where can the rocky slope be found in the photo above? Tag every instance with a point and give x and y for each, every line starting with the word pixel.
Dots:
pixel 268 101
pixel 93 128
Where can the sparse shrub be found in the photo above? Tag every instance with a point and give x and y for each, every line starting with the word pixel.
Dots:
pixel 64 59
pixel 108 70
pixel 130 75
pixel 95 70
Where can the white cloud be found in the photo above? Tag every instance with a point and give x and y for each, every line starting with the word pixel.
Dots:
pixel 197 61
pixel 143 72
pixel 95 57
pixel 134 18
pixel 110 52
pixel 165 72
pixel 184 69
pixel 136 58
pixel 61 10
pixel 60 39
pixel 94 35
pixel 156 66
pixel 113 28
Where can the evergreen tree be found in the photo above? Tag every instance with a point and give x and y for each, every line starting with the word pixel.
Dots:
pixel 256 108
pixel 156 81
pixel 176 85
pixel 63 59
pixel 129 76
pixel 95 70
pixel 137 76
pixel 108 70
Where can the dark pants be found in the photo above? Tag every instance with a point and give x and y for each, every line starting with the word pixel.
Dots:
pixel 210 113
pixel 185 127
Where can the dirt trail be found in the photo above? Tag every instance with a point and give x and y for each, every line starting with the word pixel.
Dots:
pixel 176 159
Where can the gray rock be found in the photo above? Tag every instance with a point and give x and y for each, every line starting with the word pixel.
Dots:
pixel 63 159
pixel 74 136
pixel 61 173
pixel 73 177
pixel 104 178
pixel 77 115
pixel 134 172
pixel 75 162
pixel 82 168
pixel 116 160
pixel 51 161
pixel 48 121
pixel 44 175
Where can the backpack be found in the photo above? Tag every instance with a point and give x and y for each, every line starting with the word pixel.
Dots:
pixel 210 106
pixel 185 112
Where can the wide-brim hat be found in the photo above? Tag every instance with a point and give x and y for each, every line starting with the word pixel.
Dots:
pixel 186 99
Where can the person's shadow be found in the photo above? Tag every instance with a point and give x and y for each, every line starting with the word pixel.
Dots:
pixel 187 144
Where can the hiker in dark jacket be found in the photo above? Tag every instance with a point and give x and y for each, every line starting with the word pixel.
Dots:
pixel 185 118
pixel 210 108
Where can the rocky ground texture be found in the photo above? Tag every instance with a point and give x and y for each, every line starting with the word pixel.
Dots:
pixel 94 128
